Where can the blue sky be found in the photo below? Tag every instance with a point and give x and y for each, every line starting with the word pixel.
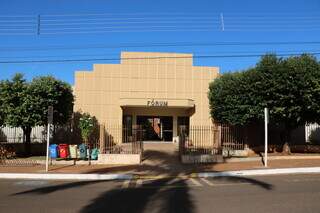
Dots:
pixel 266 14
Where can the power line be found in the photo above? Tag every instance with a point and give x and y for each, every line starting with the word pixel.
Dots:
pixel 146 58
pixel 170 14
pixel 193 52
pixel 131 27
pixel 127 31
pixel 172 44
pixel 128 18
pixel 128 22
pixel 183 30
pixel 146 22
pixel 124 14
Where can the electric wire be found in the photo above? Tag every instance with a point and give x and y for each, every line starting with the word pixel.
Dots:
pixel 145 58
pixel 186 52
pixel 157 44
pixel 146 22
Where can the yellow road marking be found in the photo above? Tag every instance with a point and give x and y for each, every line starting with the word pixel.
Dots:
pixel 139 183
pixel 207 181
pixel 125 184
pixel 195 182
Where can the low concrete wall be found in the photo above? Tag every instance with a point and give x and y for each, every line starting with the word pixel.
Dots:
pixel 30 162
pixel 201 158
pixel 304 148
pixel 127 159
pixel 235 153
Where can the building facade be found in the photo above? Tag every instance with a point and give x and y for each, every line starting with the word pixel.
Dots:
pixel 160 91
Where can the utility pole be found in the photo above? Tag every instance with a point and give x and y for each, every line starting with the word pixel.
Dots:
pixel 50 121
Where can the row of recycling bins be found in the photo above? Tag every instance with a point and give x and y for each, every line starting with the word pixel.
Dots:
pixel 72 151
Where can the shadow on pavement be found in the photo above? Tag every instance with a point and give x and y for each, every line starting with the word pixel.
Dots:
pixel 252 181
pixel 155 163
pixel 54 188
pixel 147 198
pixel 154 196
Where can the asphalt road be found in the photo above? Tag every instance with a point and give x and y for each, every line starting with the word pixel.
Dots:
pixel 295 193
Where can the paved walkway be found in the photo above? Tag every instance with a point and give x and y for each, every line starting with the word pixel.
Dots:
pixel 276 194
pixel 162 159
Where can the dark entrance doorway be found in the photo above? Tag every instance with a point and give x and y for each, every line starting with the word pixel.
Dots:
pixel 156 128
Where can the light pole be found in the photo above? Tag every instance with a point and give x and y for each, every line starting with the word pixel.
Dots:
pixel 50 119
pixel 266 120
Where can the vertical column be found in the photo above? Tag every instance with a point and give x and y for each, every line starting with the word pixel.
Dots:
pixel 134 119
pixel 119 126
pixel 102 138
pixel 175 129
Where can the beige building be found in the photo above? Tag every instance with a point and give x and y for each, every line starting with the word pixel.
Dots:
pixel 160 91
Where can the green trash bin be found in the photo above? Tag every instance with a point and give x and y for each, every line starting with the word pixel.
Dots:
pixel 94 154
pixel 73 151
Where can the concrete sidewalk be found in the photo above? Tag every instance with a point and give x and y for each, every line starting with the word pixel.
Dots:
pixel 163 168
pixel 163 160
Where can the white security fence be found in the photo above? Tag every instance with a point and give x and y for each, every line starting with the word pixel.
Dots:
pixel 312 133
pixel 15 135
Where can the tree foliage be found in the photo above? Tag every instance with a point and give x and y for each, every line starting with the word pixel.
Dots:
pixel 2 113
pixel 289 87
pixel 233 97
pixel 15 104
pixel 47 91
pixel 26 104
pixel 86 125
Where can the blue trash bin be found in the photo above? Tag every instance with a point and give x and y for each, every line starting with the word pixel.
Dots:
pixel 53 151
pixel 82 151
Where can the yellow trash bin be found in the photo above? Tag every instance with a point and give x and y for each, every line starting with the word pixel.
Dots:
pixel 73 151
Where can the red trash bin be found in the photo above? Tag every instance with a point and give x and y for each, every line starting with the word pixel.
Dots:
pixel 63 150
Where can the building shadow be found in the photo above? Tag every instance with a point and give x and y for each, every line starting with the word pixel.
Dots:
pixel 141 198
pixel 144 199
pixel 50 189
pixel 154 195
pixel 252 181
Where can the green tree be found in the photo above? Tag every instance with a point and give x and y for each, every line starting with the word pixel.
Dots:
pixel 26 104
pixel 233 99
pixel 2 114
pixel 15 105
pixel 47 91
pixel 86 126
pixel 291 90
pixel 289 87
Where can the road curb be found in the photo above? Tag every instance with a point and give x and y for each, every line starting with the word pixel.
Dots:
pixel 66 176
pixel 257 172
pixel 254 172
pixel 271 158
pixel 226 160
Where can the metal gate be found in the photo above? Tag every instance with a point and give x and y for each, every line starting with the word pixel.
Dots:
pixel 199 140
pixel 130 141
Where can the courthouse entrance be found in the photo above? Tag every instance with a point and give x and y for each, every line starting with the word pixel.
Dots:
pixel 160 119
pixel 156 128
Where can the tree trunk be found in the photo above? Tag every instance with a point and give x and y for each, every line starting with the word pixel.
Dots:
pixel 89 150
pixel 286 140
pixel 89 157
pixel 27 142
